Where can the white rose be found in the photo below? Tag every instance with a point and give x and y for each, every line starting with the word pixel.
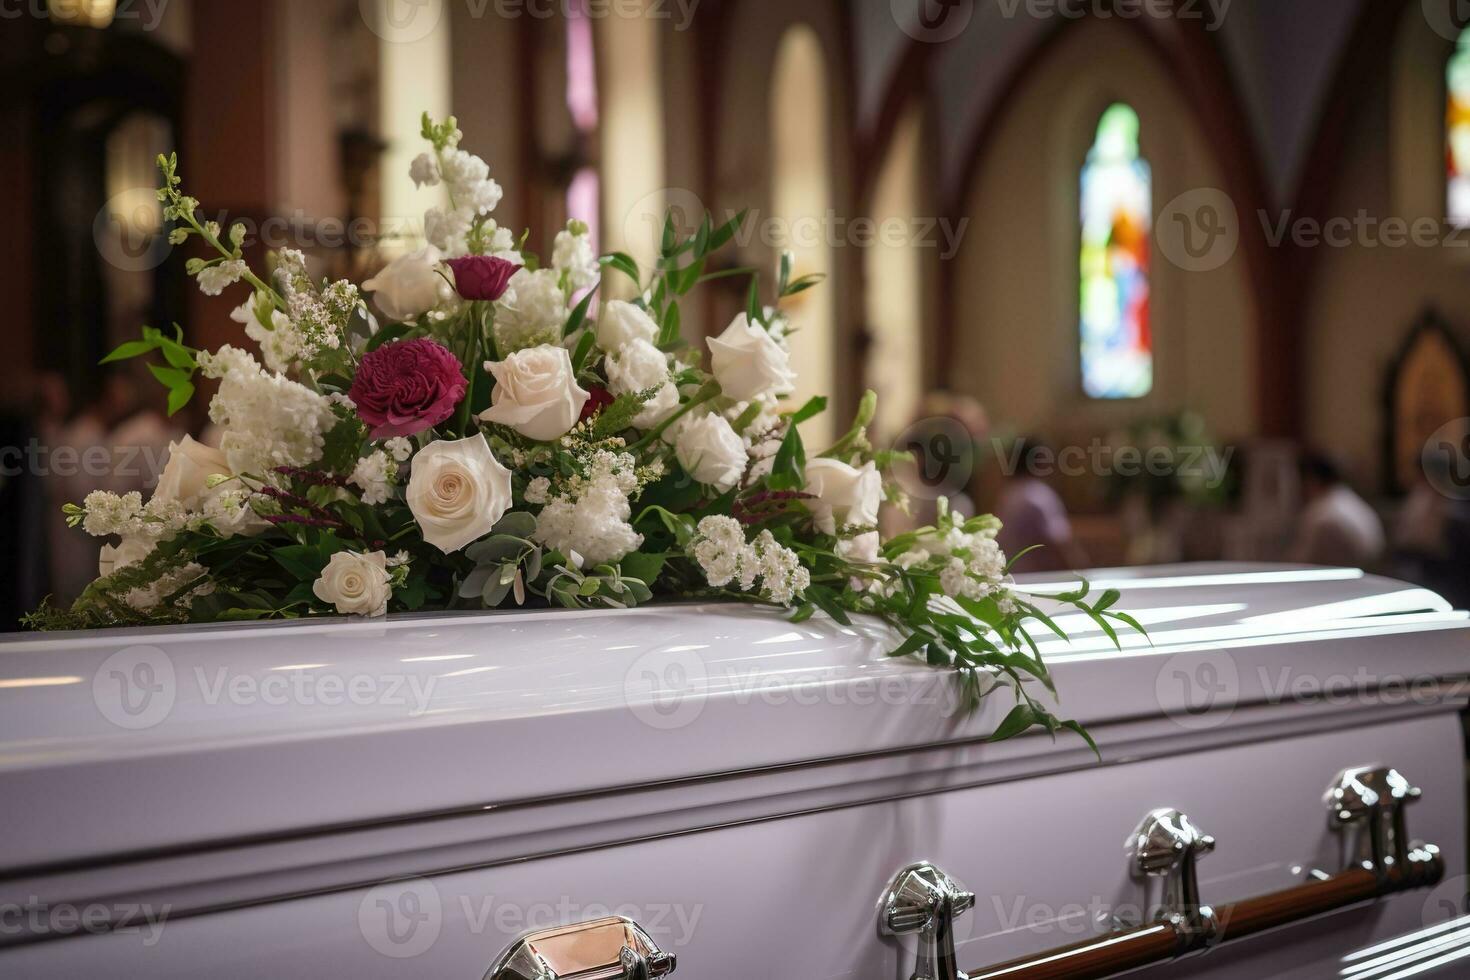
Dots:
pixel 186 474
pixel 132 550
pixel 536 393
pixel 457 491
pixel 846 495
pixel 357 584
pixel 638 366
pixel 409 285
pixel 747 362
pixel 622 323
pixel 860 549
pixel 711 451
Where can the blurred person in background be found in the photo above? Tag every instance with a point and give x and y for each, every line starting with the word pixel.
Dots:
pixel 946 440
pixel 118 442
pixel 1032 513
pixel 22 510
pixel 1336 526
pixel 1431 535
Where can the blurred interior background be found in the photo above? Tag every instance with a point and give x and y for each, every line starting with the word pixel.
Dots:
pixel 1155 279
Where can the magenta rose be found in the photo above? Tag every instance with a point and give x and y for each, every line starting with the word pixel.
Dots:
pixel 481 276
pixel 407 387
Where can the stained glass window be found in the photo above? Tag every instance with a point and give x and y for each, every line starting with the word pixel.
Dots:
pixel 1457 134
pixel 584 191
pixel 1117 346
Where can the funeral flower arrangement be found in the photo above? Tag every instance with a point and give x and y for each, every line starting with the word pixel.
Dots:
pixel 495 436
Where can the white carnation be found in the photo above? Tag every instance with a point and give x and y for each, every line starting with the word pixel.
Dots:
pixel 374 475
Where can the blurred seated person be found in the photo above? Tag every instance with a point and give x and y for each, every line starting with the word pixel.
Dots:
pixel 1336 526
pixel 1431 535
pixel 946 440
pixel 1032 513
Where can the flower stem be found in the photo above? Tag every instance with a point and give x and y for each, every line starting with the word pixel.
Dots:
pixel 471 356
pixel 711 390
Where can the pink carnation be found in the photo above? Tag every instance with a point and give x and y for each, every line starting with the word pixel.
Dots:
pixel 482 276
pixel 407 387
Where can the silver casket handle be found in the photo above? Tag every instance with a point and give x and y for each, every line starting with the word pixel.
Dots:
pixel 1365 804
pixel 600 949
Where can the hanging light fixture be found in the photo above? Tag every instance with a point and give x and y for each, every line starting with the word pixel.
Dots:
pixel 82 13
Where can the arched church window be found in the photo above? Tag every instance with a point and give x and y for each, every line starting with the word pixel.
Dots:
pixel 1117 208
pixel 1457 133
pixel 801 199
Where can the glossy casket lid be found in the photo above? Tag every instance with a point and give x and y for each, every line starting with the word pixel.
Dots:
pixel 124 741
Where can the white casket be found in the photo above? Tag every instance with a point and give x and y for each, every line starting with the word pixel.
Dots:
pixel 755 799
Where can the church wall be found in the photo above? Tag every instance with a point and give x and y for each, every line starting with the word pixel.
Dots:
pixel 1365 295
pixel 1015 278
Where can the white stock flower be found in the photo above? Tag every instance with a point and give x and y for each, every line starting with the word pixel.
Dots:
pixel 845 495
pixel 280 342
pixel 621 323
pixel 638 366
pixel 457 491
pixel 572 253
pixel 748 363
pixel 186 475
pixel 536 393
pixel 710 451
pixel 409 285
pixel 448 230
pixel 357 584
pixel 214 278
pixel 532 310
pixel 470 182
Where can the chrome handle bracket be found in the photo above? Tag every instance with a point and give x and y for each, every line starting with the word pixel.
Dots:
pixel 1166 846
pixel 926 901
pixel 1367 805
pixel 614 948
